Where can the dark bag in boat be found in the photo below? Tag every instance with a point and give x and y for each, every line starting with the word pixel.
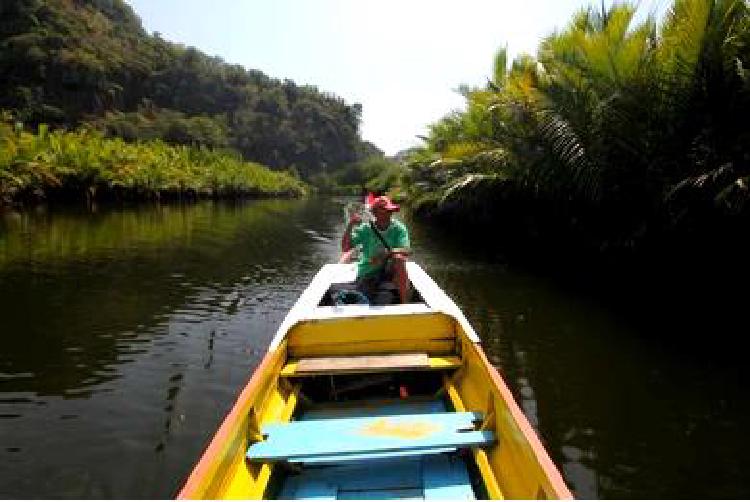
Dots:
pixel 350 297
pixel 346 293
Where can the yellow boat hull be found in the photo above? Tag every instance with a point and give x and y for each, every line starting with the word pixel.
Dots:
pixel 516 466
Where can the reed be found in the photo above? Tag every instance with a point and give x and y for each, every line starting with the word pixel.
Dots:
pixel 83 164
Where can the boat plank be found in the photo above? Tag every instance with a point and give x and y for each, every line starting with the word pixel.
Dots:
pixel 432 346
pixel 300 440
pixel 362 363
pixel 404 426
pixel 446 478
pixel 359 457
pixel 398 473
pixel 393 494
pixel 316 490
pixel 367 364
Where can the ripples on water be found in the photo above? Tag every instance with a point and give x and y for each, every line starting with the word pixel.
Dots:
pixel 128 334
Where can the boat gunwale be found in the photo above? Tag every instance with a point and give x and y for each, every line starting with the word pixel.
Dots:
pixel 550 470
pixel 212 453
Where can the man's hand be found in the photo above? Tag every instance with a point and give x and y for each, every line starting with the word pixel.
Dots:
pixel 379 259
pixel 346 239
pixel 401 254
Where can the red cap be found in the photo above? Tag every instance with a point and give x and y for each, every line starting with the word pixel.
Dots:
pixel 385 203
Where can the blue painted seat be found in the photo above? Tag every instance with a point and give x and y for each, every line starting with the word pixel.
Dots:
pixel 342 439
pixel 380 449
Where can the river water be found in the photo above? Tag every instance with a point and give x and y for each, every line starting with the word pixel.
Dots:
pixel 128 333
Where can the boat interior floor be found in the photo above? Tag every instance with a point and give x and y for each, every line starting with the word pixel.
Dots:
pixel 340 463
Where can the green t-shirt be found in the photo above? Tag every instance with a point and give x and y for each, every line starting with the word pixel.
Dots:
pixel 396 235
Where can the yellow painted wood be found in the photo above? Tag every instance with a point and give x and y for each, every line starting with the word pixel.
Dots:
pixel 368 363
pixel 435 363
pixel 517 467
pixel 480 456
pixel 238 487
pixel 226 474
pixel 445 346
pixel 371 329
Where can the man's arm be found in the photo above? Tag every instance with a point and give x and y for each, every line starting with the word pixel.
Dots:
pixel 346 239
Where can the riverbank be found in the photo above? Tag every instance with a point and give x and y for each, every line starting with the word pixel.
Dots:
pixel 85 166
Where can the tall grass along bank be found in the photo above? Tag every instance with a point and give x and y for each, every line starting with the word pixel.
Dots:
pixel 84 165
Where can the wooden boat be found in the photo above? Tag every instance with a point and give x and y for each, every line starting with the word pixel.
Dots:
pixel 372 402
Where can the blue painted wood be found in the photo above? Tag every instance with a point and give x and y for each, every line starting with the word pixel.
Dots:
pixel 367 435
pixel 402 494
pixel 365 457
pixel 431 476
pixel 376 409
pixel 341 426
pixel 316 490
pixel 284 448
pixel 381 475
pixel 287 491
pixel 446 477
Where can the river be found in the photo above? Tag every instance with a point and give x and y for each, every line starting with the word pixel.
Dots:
pixel 128 333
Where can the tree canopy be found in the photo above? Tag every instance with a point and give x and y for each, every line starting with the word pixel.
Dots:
pixel 67 62
pixel 618 134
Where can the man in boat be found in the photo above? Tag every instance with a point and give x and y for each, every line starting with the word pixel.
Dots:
pixel 384 249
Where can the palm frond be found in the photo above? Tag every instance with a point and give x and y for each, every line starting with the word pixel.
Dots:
pixel 465 188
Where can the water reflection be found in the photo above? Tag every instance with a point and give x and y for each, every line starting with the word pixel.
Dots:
pixel 128 333
pixel 624 414
pixel 134 330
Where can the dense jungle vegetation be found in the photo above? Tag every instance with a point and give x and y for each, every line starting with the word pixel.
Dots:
pixel 621 144
pixel 617 136
pixel 71 63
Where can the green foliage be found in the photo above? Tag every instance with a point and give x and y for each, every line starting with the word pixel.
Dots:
pixel 374 173
pixel 69 62
pixel 85 164
pixel 615 132
pixel 171 126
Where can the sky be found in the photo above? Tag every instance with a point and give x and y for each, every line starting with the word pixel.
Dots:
pixel 401 59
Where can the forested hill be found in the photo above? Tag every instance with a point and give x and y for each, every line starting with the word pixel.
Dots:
pixel 64 62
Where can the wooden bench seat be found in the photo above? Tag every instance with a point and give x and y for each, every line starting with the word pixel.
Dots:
pixel 349 439
pixel 319 440
pixel 311 366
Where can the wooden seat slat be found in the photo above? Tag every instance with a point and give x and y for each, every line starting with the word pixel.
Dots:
pixel 356 457
pixel 367 364
pixel 360 436
pixel 417 425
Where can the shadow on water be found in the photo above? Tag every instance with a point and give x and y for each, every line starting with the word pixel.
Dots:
pixel 626 410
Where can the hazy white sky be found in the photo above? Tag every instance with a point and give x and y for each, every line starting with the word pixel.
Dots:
pixel 402 59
